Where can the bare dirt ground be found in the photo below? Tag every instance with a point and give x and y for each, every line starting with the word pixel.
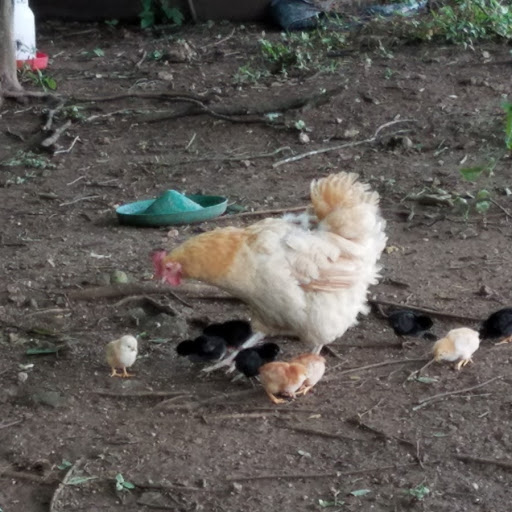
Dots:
pixel 225 449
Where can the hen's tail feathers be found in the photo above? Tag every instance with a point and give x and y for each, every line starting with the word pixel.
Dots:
pixel 340 191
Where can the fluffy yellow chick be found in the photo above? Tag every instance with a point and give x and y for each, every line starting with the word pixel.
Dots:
pixel 121 354
pixel 315 366
pixel 458 345
pixel 281 378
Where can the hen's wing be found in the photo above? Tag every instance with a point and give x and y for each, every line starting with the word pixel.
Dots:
pixel 317 260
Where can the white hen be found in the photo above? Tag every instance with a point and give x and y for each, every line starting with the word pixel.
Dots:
pixel 299 278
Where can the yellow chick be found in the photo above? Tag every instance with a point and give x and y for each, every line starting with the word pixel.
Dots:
pixel 458 345
pixel 121 354
pixel 315 366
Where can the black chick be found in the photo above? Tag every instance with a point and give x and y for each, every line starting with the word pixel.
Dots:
pixel 233 332
pixel 249 360
pixel 203 348
pixel 498 325
pixel 409 323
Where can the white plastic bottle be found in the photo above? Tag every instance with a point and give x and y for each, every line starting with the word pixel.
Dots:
pixel 24 31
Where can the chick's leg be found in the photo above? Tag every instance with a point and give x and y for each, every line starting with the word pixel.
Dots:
pixel 274 398
pixel 304 390
pixel 508 339
pixel 125 374
pixel 114 373
pixel 463 362
pixel 228 361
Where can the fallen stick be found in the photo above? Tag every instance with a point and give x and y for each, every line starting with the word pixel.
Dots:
pixel 22 475
pixel 334 474
pixel 375 365
pixel 425 401
pixel 482 460
pixel 240 415
pixel 421 309
pixel 145 300
pixel 52 139
pixel 241 158
pixel 379 433
pixel 248 113
pixel 320 151
pixel 124 290
pixel 320 433
pixel 257 213
pixel 51 114
pixel 170 487
pixel 9 423
pixel 164 95
pixel 210 400
pixel 141 394
pixel 72 145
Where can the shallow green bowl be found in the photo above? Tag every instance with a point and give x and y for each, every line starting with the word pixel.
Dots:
pixel 133 213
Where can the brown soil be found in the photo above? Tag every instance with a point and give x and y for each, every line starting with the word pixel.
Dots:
pixel 59 234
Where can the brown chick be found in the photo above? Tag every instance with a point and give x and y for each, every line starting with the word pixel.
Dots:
pixel 458 345
pixel 121 354
pixel 315 366
pixel 281 378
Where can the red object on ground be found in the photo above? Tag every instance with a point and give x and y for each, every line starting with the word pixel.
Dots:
pixel 39 62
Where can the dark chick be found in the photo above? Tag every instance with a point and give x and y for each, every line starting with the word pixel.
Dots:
pixel 234 332
pixel 250 360
pixel 409 323
pixel 203 348
pixel 498 325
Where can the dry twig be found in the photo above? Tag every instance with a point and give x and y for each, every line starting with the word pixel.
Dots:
pixel 334 474
pixel 421 309
pixel 320 433
pixel 141 394
pixel 9 423
pixel 313 152
pixel 375 365
pixel 505 464
pixel 425 401
pixel 52 139
pixel 62 485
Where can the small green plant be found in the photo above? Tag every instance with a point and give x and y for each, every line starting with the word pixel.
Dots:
pixel 65 464
pixel 97 52
pixel 481 200
pixel 112 23
pixel 75 112
pixel 465 22
pixel 122 484
pixel 507 107
pixel 39 79
pixel 29 159
pixel 420 492
pixel 303 51
pixel 154 11
pixel 247 74
pixel 155 55
pixel 335 502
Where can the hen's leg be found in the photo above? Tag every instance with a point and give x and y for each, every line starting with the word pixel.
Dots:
pixel 317 350
pixel 228 361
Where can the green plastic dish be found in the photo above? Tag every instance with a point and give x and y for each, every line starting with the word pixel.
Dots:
pixel 132 214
